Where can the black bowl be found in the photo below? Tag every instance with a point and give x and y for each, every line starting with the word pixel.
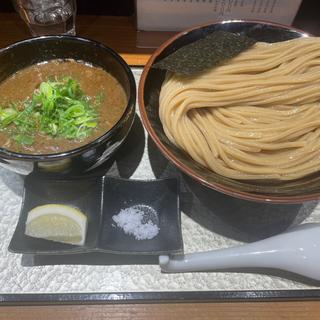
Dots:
pixel 31 51
pixel 297 191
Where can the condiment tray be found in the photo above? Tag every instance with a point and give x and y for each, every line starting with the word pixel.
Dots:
pixel 100 198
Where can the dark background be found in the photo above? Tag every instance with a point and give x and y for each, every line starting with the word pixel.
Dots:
pixel 308 17
pixel 100 7
pixel 126 7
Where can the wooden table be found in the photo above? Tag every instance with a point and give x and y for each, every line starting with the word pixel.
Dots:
pixel 175 311
pixel 120 34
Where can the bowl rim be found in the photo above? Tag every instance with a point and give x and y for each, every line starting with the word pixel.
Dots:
pixel 11 155
pixel 266 198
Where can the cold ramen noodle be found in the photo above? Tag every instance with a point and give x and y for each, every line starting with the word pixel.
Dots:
pixel 57 106
pixel 256 116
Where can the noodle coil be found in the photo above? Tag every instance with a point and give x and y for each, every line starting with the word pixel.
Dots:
pixel 256 116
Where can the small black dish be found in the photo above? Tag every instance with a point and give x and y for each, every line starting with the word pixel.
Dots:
pixel 100 198
pixel 85 194
pixel 159 201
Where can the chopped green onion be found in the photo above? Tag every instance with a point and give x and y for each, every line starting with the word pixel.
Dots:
pixel 7 116
pixel 58 108
pixel 26 140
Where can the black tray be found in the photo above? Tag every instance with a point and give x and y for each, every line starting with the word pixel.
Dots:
pixel 100 198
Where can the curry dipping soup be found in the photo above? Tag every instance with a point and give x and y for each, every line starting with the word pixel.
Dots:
pixel 88 101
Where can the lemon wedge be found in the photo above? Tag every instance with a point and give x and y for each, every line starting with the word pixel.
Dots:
pixel 57 222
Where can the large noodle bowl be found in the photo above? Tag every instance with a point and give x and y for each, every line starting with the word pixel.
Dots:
pixel 255 117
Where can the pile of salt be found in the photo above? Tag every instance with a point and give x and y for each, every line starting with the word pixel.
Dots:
pixel 133 222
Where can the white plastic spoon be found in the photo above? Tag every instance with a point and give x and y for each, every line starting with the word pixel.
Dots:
pixel 297 250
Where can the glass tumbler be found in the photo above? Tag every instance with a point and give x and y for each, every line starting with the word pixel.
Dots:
pixel 48 17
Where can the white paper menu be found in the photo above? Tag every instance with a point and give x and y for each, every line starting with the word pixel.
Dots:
pixel 172 15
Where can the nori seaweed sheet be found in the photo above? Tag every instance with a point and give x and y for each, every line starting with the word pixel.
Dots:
pixel 212 50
